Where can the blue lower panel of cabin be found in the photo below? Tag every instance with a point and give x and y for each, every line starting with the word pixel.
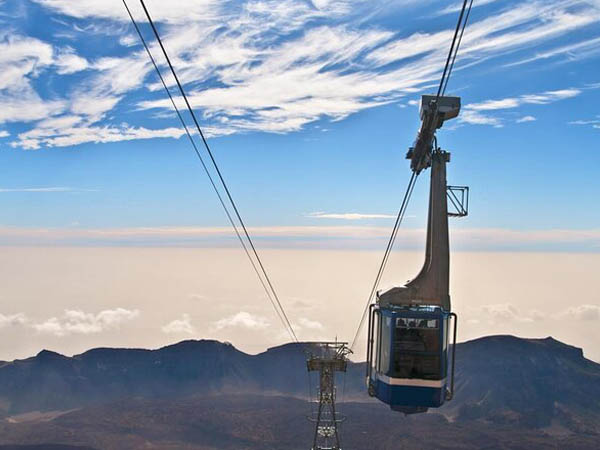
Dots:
pixel 413 396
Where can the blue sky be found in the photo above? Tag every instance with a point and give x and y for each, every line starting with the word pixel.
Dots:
pixel 310 107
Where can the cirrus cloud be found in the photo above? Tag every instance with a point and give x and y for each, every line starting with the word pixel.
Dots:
pixel 257 65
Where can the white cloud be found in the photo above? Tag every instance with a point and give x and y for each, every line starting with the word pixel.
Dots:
pixel 572 52
pixel 476 118
pixel 22 59
pixel 4 133
pixel 34 139
pixel 38 189
pixel 537 315
pixel 21 56
pixel 504 312
pixel 526 119
pixel 68 62
pixel 303 322
pixel 129 40
pixel 472 112
pixel 349 216
pixel 286 87
pixel 27 106
pixel 490 105
pixel 180 11
pixel 456 7
pixel 93 105
pixel 276 65
pixel 79 322
pixel 538 99
pixel 413 45
pixel 242 319
pixel 550 96
pixel 12 319
pixel 583 312
pixel 595 123
pixel 179 326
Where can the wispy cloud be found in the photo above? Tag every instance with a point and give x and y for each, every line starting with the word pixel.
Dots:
pixel 303 322
pixel 571 52
pixel 526 119
pixel 595 123
pixel 478 113
pixel 49 189
pixel 55 137
pixel 242 319
pixel 504 312
pixel 457 6
pixel 307 237
pixel 79 322
pixel 39 189
pixel 178 12
pixel 349 216
pixel 476 118
pixel 514 102
pixel 68 62
pixel 259 65
pixel 584 312
pixel 12 319
pixel 179 326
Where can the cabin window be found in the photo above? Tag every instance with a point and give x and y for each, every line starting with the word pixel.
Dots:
pixel 376 337
pixel 386 341
pixel 416 349
pixel 403 322
pixel 446 334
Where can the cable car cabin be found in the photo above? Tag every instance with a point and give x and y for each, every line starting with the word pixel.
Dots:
pixel 408 357
pixel 409 326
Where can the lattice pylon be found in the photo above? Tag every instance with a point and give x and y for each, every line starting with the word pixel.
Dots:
pixel 327 358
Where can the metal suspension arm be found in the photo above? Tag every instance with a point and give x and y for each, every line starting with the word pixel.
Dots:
pixel 434 111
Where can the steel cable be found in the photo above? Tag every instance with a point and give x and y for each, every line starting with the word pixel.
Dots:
pixel 451 51
pixel 268 286
pixel 450 60
pixel 462 31
pixel 390 244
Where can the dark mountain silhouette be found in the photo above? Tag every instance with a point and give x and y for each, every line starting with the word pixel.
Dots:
pixel 531 382
pixel 207 394
pixel 44 447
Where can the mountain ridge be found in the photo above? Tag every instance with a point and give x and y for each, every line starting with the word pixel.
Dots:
pixel 501 379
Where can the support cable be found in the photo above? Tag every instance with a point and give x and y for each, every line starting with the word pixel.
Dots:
pixel 450 60
pixel 451 51
pixel 462 31
pixel 208 174
pixel 399 218
pixel 268 286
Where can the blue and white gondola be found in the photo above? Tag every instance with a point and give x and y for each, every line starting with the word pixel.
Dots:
pixel 410 358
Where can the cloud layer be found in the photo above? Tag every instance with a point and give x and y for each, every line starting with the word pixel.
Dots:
pixel 306 237
pixel 73 321
pixel 256 65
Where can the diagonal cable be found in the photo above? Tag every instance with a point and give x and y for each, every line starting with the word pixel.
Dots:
pixel 399 218
pixel 275 302
pixel 462 31
pixel 450 60
pixel 451 51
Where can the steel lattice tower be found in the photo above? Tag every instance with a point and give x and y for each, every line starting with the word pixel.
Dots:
pixel 327 358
